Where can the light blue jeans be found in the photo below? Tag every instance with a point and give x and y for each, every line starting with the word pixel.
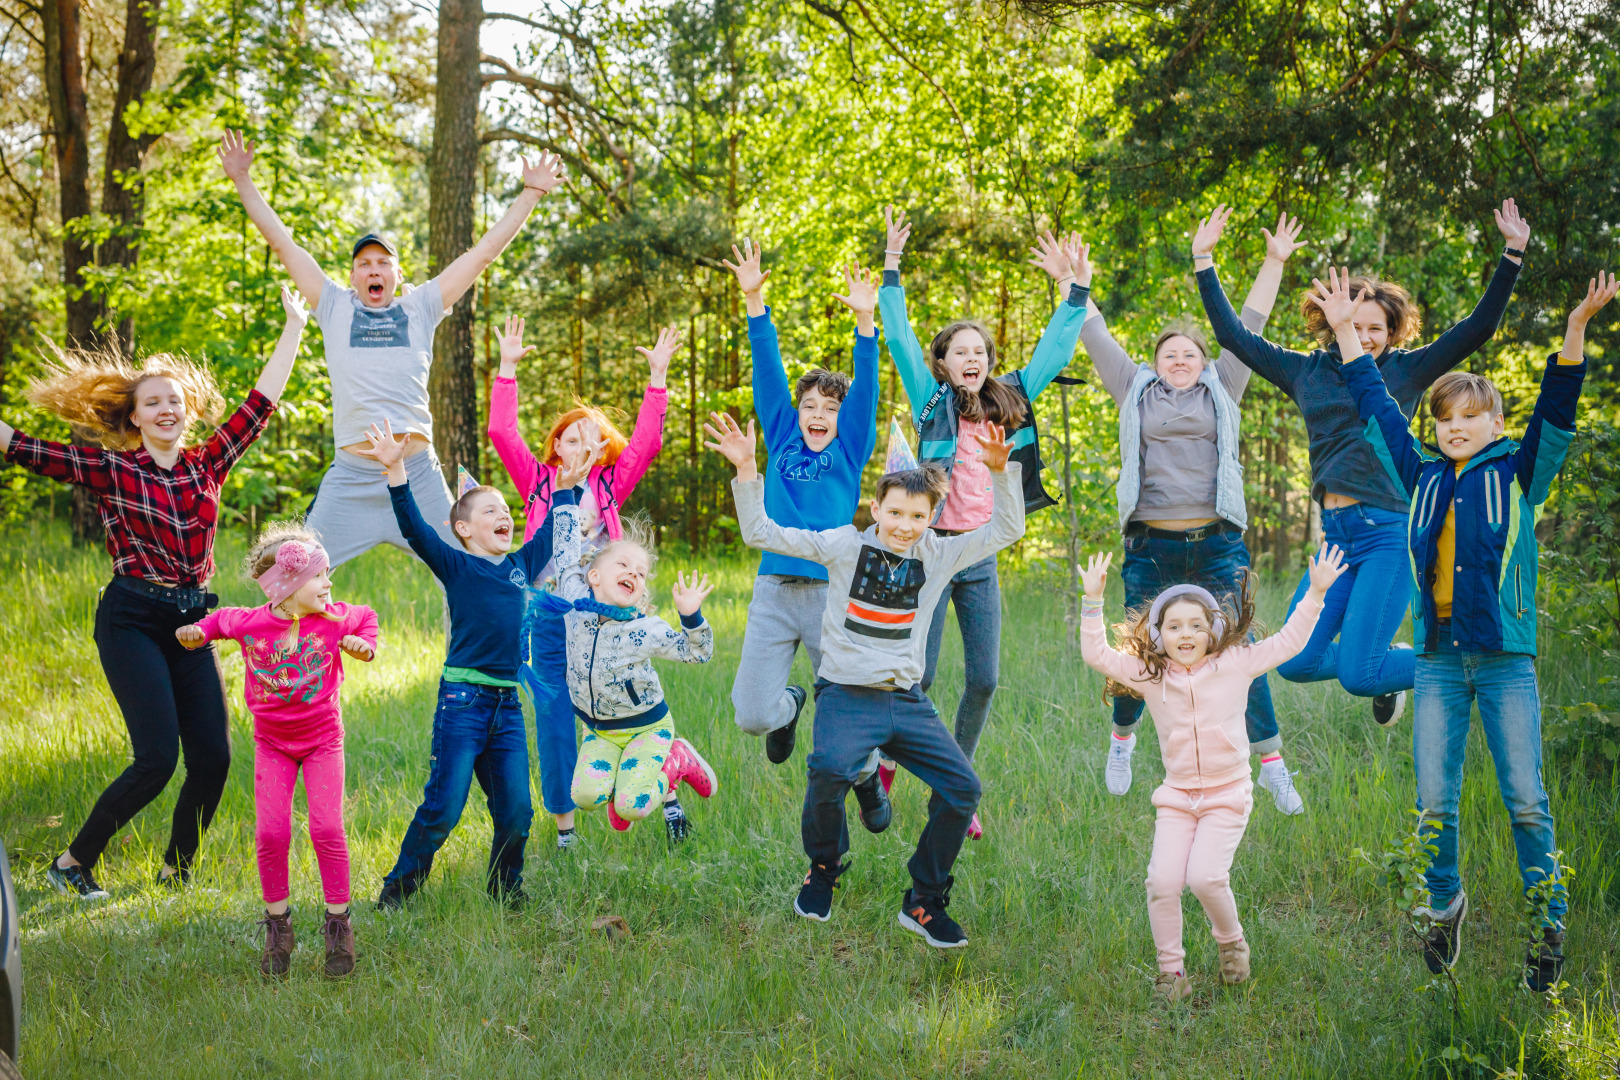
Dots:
pixel 1448 684
pixel 976 592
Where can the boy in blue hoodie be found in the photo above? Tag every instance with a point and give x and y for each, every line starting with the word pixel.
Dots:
pixel 818 437
pixel 1473 548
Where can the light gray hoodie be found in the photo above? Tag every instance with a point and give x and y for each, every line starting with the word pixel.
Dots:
pixel 879 603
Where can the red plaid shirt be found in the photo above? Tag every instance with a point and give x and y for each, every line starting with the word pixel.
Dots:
pixel 160 522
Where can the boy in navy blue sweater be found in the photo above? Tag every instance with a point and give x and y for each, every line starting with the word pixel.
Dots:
pixel 479 720
pixel 818 438
pixel 1473 546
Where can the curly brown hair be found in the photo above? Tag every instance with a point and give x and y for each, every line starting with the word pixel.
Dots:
pixel 1400 310
pixel 996 402
pixel 262 555
pixel 1136 639
pixel 94 391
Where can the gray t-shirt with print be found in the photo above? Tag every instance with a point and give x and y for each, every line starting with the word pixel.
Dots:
pixel 378 359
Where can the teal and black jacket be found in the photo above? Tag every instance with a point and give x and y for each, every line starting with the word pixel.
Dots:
pixel 1497 499
pixel 933 403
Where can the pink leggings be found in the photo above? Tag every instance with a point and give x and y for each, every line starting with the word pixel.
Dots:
pixel 1194 839
pixel 275 772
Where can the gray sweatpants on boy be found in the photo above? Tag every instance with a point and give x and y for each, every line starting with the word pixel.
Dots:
pixel 352 512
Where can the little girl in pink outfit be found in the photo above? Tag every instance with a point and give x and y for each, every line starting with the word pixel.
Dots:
pixel 1191 662
pixel 292 649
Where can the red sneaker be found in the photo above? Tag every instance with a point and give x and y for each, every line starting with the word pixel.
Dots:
pixel 685 763
pixel 886 774
pixel 975 830
pixel 615 820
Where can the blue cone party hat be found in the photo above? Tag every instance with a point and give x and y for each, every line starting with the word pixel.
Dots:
pixel 899 458
pixel 464 481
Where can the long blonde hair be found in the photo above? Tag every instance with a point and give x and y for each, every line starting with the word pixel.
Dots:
pixel 262 555
pixel 94 390
pixel 1136 636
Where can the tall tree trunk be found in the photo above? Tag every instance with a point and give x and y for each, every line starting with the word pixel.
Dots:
pixel 123 189
pixel 452 184
pixel 70 123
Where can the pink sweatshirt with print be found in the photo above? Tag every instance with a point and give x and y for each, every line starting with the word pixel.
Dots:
pixel 292 689
pixel 1198 712
pixel 610 484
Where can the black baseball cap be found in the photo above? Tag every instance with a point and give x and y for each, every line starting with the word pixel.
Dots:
pixel 373 238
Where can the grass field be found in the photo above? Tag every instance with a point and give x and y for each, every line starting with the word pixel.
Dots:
pixel 719 978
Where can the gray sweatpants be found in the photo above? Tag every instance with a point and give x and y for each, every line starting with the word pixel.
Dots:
pixel 352 512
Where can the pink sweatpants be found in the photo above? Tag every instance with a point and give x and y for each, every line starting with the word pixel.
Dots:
pixel 1194 840
pixel 275 772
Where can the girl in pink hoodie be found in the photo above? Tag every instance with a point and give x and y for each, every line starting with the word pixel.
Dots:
pixel 1190 660
pixel 619 467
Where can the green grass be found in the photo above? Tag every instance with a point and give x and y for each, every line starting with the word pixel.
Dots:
pixel 720 978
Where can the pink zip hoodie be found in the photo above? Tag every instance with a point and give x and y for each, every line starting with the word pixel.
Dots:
pixel 1198 712
pixel 610 484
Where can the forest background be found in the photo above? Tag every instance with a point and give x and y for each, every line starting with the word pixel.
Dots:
pixel 1391 129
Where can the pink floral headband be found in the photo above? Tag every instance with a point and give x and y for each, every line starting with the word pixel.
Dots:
pixel 297 564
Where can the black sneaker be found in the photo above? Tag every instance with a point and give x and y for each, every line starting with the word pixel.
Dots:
pixel 1545 964
pixel 1443 942
pixel 876 809
pixel 925 915
pixel 75 881
pixel 513 899
pixel 1387 708
pixel 677 827
pixel 393 896
pixel 815 895
pixel 779 743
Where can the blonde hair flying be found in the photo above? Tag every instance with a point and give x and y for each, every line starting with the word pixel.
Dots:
pixel 94 390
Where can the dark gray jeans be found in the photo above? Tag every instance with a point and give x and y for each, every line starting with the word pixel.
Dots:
pixel 976 592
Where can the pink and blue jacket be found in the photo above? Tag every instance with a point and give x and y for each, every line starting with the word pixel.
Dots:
pixel 610 484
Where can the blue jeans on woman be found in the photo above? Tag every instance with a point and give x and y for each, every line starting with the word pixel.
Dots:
pixel 1216 562
pixel 1449 683
pixel 1363 609
pixel 976 593
pixel 474 727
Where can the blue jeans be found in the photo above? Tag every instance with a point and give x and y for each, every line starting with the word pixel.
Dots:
pixel 473 727
pixel 1449 683
pixel 556 739
pixel 1363 609
pixel 976 592
pixel 1153 564
pixel 852 721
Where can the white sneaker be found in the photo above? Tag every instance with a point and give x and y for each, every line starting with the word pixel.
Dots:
pixel 1118 773
pixel 1275 778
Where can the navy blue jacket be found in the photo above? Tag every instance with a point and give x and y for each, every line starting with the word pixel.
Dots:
pixel 1497 500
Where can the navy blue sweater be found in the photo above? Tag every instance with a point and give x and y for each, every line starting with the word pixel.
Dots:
pixel 485 596
pixel 1341 460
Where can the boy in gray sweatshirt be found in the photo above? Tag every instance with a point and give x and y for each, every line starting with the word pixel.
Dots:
pixel 882 586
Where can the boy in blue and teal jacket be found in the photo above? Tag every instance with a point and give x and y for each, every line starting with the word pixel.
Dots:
pixel 1472 543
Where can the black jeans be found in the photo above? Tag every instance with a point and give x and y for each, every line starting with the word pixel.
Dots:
pixel 850 722
pixel 173 701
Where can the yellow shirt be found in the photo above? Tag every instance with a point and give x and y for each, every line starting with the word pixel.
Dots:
pixel 1445 558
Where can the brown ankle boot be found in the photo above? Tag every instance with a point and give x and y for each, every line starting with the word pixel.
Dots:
pixel 279 940
pixel 1234 962
pixel 339 945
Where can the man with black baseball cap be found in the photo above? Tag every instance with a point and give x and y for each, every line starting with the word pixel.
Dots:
pixel 379 347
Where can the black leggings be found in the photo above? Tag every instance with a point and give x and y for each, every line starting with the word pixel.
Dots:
pixel 173 700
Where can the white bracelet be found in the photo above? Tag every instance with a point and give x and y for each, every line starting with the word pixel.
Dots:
pixel 886 251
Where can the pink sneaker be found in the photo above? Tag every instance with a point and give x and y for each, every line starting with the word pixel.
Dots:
pixel 685 763
pixel 615 820
pixel 975 830
pixel 886 775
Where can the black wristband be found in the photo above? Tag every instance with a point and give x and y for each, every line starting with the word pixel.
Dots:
pixel 1515 252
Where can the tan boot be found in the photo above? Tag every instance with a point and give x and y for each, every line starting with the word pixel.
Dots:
pixel 1172 987
pixel 1235 962
pixel 339 937
pixel 279 941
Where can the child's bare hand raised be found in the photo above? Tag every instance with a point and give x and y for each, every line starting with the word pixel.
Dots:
pixel 688 595
pixel 575 467
pixel 862 285
pixel 733 443
pixel 896 231
pixel 543 173
pixel 750 278
pixel 235 155
pixel 385 450
pixel 996 448
pixel 1050 255
pixel 1094 575
pixel 658 357
pixel 512 347
pixel 1079 253
pixel 1599 291
pixel 1326 566
pixel 357 647
pixel 192 637
pixel 1209 230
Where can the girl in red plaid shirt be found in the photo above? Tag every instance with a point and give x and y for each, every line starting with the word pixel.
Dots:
pixel 159 503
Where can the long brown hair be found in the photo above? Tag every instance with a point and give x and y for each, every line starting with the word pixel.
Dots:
pixel 1400 310
pixel 997 402
pixel 1136 639
pixel 94 390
